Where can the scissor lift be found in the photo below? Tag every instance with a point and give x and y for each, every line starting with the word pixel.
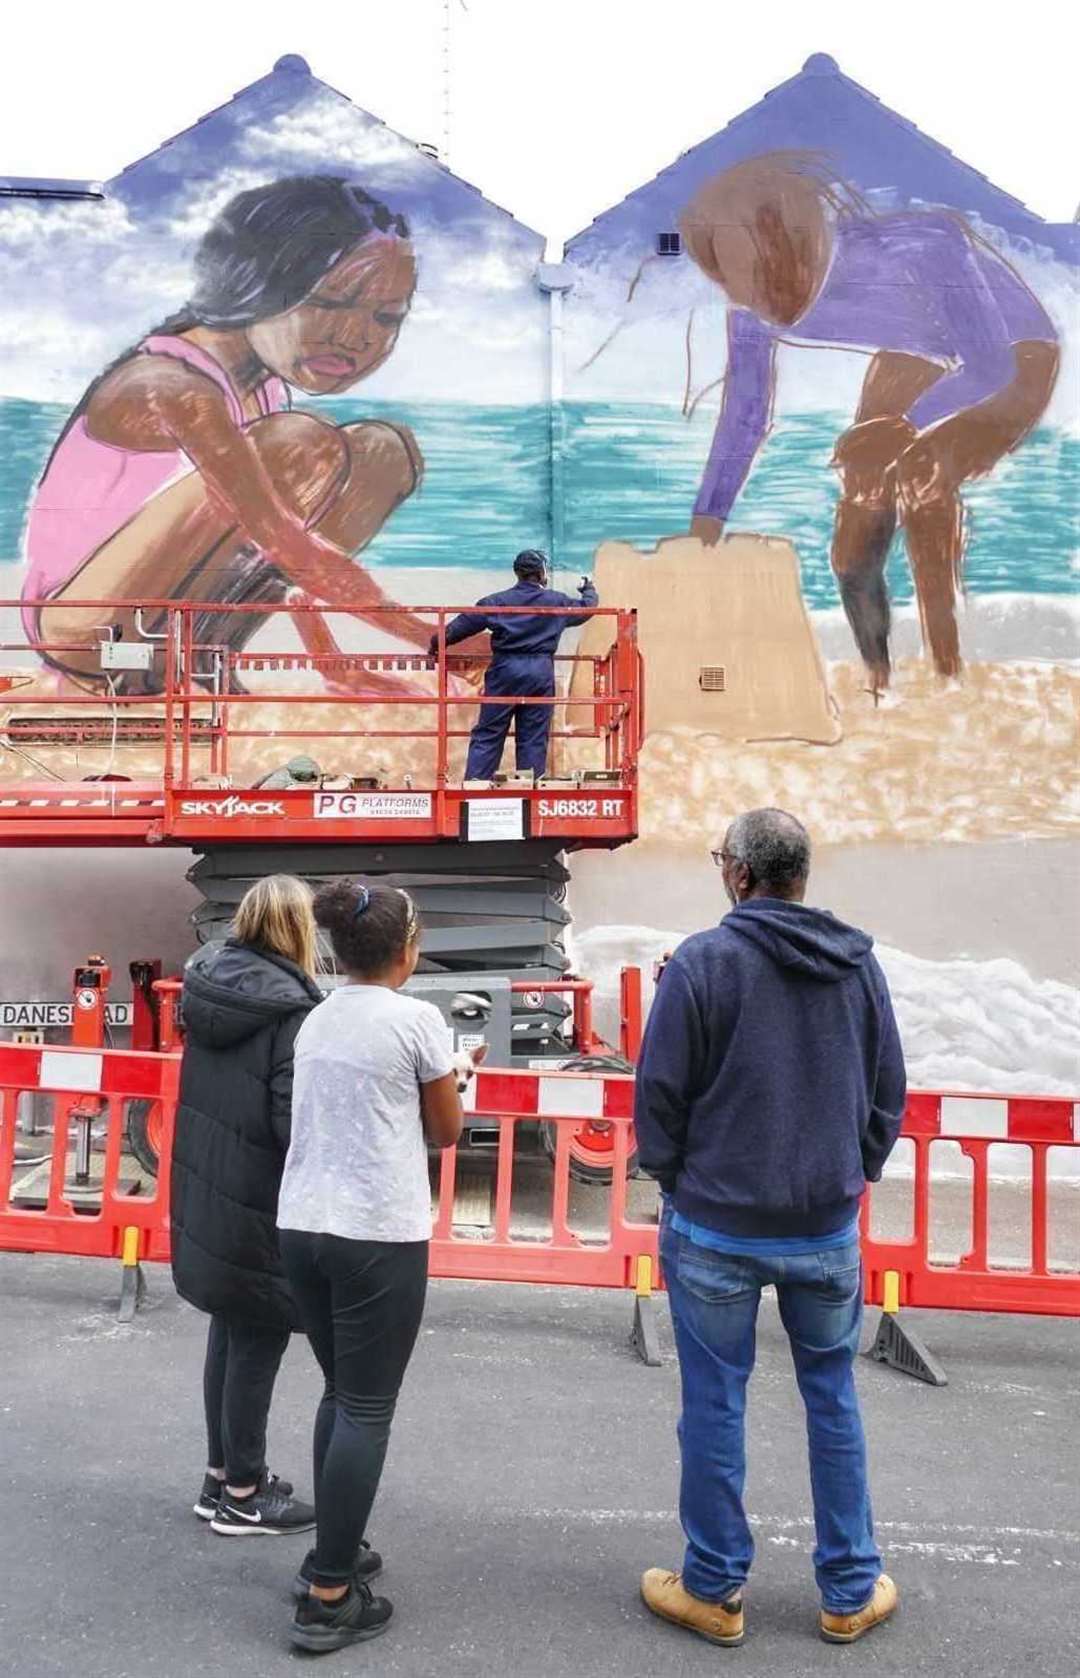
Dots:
pixel 169 742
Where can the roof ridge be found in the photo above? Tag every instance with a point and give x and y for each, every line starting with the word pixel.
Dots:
pixel 818 65
pixel 937 145
pixel 292 64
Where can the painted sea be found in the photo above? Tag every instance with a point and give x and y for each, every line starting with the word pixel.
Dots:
pixel 631 472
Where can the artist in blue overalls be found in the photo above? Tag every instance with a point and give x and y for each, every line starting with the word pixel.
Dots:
pixel 522 663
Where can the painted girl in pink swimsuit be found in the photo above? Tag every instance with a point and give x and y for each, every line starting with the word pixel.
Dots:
pixel 182 474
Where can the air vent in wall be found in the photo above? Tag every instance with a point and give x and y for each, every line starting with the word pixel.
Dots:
pixel 712 679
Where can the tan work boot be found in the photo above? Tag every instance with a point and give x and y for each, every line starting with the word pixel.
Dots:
pixel 718 1622
pixel 848 1628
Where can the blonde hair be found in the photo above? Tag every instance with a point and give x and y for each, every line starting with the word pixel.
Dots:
pixel 276 913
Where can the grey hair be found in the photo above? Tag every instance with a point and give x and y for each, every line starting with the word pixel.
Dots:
pixel 773 845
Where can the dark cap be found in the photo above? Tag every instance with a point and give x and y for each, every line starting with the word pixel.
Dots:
pixel 530 563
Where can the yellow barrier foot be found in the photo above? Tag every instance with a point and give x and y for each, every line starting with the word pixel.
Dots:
pixel 132 1282
pixel 644 1336
pixel 897 1346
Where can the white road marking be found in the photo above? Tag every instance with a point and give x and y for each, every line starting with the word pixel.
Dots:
pixel 984 1553
pixel 988 1546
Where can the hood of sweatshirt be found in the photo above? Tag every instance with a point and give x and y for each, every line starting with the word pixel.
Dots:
pixel 233 991
pixel 812 941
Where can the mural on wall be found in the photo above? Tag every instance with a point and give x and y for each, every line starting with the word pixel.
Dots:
pixel 822 426
pixel 964 360
pixel 822 331
pixel 182 468
pixel 287 354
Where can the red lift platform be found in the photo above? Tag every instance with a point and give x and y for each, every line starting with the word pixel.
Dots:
pixel 179 732
pixel 184 730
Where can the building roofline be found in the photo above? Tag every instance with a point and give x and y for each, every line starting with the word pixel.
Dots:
pixel 293 64
pixel 37 186
pixel 819 65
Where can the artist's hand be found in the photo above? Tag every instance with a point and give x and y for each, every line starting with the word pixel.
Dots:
pixel 707 530
pixel 461 679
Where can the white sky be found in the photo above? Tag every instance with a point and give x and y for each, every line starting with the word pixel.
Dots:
pixel 559 107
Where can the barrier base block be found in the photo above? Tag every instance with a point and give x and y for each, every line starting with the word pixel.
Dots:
pixel 898 1347
pixel 644 1334
pixel 132 1291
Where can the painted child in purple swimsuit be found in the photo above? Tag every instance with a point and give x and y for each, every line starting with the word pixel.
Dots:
pixel 964 360
pixel 182 474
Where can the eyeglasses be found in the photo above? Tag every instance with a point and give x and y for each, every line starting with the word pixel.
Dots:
pixel 720 856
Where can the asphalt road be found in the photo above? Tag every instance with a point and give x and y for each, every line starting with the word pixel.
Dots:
pixel 531 1478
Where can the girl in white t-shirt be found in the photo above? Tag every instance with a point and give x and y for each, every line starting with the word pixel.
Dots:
pixel 373 1085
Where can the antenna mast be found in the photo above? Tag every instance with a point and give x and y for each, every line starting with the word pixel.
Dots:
pixel 446 82
pixel 447 70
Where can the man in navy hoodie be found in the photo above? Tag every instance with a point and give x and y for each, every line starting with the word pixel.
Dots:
pixel 770 1090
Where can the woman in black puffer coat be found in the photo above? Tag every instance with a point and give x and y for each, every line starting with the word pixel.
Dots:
pixel 242 1006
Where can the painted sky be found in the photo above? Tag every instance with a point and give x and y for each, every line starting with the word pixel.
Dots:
pixel 638 322
pixel 81 281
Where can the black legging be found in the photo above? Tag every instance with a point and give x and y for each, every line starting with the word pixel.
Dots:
pixel 361 1303
pixel 241 1366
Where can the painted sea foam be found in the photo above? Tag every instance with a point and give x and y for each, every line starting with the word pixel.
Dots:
pixel 950 1015
pixel 631 472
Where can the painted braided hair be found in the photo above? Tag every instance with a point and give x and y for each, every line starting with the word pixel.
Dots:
pixel 265 252
pixel 269 247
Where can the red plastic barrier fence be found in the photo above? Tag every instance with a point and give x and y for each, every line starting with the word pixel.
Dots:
pixel 901 1273
pixel 608 1259
pixel 89 1089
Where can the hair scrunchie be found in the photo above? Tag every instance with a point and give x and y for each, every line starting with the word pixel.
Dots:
pixel 363 902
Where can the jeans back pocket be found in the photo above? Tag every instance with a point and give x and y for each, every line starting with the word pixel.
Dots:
pixel 714 1278
pixel 841 1271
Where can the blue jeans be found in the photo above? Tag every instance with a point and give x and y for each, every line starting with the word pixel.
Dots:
pixel 714 1303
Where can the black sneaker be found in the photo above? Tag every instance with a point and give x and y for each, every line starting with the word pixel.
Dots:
pixel 270 1509
pixel 323 1626
pixel 368 1567
pixel 206 1504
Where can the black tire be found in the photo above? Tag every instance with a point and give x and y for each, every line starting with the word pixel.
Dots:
pixel 582 1170
pixel 142 1121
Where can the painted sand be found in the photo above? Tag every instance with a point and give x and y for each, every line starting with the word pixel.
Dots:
pixel 994 757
